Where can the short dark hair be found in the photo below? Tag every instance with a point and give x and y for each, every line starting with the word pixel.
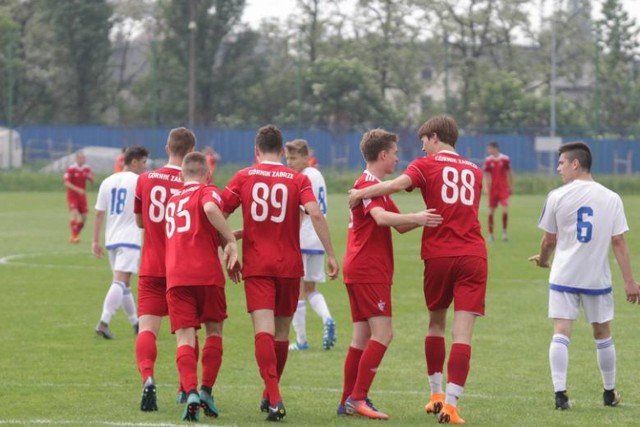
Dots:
pixel 444 126
pixel 577 150
pixel 375 141
pixel 269 139
pixel 493 144
pixel 194 165
pixel 181 141
pixel 135 152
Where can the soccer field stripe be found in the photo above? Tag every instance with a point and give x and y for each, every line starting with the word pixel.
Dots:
pixel 14 261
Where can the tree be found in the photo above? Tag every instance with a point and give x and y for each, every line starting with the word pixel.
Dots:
pixel 81 34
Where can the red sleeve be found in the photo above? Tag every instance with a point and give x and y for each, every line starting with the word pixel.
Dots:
pixel 231 195
pixel 65 177
pixel 306 191
pixel 415 174
pixel 507 164
pixel 137 202
pixel 369 204
pixel 211 194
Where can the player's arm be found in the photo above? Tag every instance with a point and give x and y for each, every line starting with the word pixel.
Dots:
pixel 547 246
pixel 510 180
pixel 321 228
pixel 381 189
pixel 405 222
pixel 139 221
pixel 74 188
pixel 486 183
pixel 96 247
pixel 621 252
pixel 217 219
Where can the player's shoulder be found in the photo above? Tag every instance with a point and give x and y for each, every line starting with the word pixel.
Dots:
pixel 367 179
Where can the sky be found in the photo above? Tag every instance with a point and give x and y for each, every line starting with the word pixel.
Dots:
pixel 260 9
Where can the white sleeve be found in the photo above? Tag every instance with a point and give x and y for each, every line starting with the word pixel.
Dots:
pixel 547 221
pixel 103 197
pixel 620 225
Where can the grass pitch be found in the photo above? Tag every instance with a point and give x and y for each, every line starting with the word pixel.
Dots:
pixel 55 371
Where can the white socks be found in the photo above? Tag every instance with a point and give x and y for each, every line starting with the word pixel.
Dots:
pixel 129 306
pixel 559 361
pixel 435 382
pixel 300 323
pixel 606 355
pixel 453 393
pixel 319 305
pixel 112 301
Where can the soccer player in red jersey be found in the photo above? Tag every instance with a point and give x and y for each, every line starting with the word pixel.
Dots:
pixel 499 181
pixel 75 179
pixel 454 254
pixel 195 283
pixel 153 191
pixel 271 195
pixel 368 273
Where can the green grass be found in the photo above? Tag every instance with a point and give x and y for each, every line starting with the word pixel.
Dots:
pixel 55 371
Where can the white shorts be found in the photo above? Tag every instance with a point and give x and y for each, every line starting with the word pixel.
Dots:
pixel 566 305
pixel 124 259
pixel 313 268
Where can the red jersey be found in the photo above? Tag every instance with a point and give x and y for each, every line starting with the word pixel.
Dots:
pixel 369 255
pixel 498 167
pixel 451 185
pixel 271 195
pixel 78 176
pixel 153 191
pixel 192 242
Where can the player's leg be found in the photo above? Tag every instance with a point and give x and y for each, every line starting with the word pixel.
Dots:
pixel 214 311
pixel 504 203
pixel 381 336
pixel 183 302
pixel 493 203
pixel 152 306
pixel 359 338
pixel 314 272
pixel 564 308
pixel 300 322
pixel 126 264
pixel 74 216
pixel 599 312
pixel 113 298
pixel 435 355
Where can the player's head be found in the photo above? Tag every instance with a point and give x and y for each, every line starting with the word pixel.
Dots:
pixel 269 140
pixel 575 159
pixel 439 129
pixel 378 145
pixel 297 154
pixel 493 148
pixel 195 167
pixel 80 158
pixel 181 141
pixel 135 158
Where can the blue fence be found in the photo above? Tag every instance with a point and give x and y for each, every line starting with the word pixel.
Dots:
pixel 341 151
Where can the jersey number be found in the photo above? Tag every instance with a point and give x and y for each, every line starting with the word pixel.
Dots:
pixel 584 228
pixel 458 185
pixel 118 199
pixel 265 200
pixel 158 198
pixel 173 214
pixel 322 200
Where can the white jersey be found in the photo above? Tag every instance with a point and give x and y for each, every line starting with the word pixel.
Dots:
pixel 309 240
pixel 584 215
pixel 115 198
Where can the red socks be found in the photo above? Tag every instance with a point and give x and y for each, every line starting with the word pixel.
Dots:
pixel 282 351
pixel 187 367
pixel 146 353
pixel 350 372
pixel 505 218
pixel 490 223
pixel 369 362
pixel 211 360
pixel 435 353
pixel 458 366
pixel 267 365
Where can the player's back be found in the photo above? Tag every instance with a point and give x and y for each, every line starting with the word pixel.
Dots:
pixel 586 216
pixel 451 185
pixel 116 197
pixel 270 195
pixel 152 195
pixel 188 230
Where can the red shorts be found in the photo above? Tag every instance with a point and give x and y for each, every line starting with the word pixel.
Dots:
pixel 191 306
pixel 77 202
pixel 369 300
pixel 462 280
pixel 498 197
pixel 272 293
pixel 152 296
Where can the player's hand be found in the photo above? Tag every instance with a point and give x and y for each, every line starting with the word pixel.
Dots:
pixel 235 273
pixel 96 249
pixel 230 255
pixel 429 218
pixel 632 289
pixel 334 269
pixel 354 198
pixel 536 259
pixel 80 191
